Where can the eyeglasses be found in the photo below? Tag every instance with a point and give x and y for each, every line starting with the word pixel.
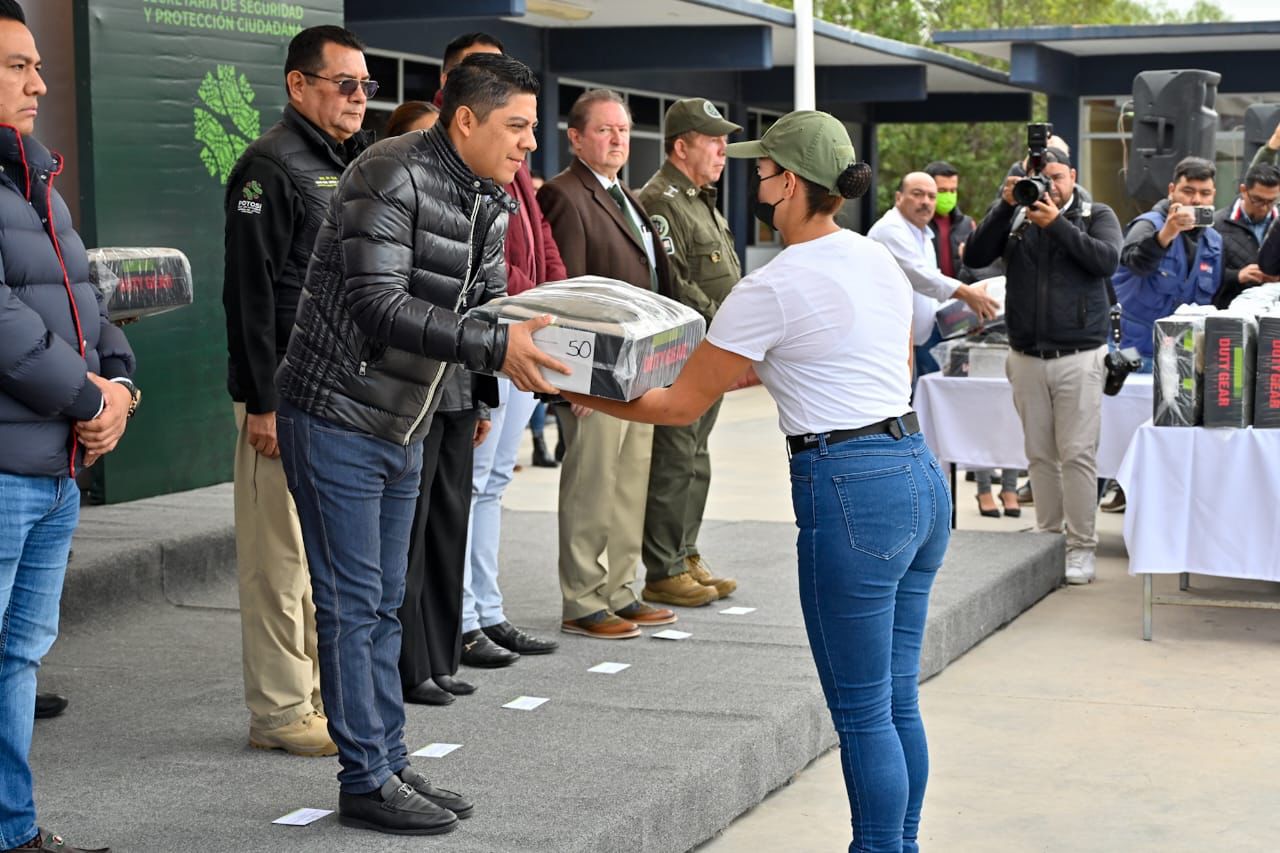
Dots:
pixel 347 85
pixel 1261 202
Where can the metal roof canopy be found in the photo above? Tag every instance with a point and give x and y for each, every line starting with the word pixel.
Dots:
pixel 1065 60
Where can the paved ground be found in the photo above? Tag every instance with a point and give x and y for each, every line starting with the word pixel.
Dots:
pixel 1063 732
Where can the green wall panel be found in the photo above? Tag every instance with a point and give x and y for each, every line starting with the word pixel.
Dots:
pixel 169 93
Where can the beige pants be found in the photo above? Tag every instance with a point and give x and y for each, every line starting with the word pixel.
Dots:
pixel 277 618
pixel 603 483
pixel 1060 403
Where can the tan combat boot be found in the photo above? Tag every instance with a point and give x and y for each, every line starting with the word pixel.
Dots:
pixel 701 574
pixel 308 737
pixel 680 590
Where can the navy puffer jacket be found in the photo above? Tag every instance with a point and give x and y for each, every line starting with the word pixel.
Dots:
pixel 53 327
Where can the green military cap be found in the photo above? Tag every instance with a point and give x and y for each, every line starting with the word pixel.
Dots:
pixel 697 114
pixel 814 145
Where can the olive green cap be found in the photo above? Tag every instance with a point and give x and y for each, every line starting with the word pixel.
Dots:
pixel 696 114
pixel 814 145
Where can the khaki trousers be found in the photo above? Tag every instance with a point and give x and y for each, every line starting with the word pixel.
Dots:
pixel 1060 403
pixel 603 482
pixel 679 480
pixel 277 618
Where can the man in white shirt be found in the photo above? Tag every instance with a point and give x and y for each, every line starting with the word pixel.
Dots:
pixel 904 231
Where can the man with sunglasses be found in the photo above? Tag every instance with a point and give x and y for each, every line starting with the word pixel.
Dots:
pixel 275 199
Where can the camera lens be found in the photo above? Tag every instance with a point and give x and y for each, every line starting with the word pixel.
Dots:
pixel 1028 190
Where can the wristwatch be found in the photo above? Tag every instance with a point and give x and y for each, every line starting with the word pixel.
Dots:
pixel 135 395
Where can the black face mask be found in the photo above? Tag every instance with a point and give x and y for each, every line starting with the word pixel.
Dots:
pixel 763 210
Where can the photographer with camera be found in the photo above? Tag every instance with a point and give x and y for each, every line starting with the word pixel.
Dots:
pixel 1059 250
pixel 1171 256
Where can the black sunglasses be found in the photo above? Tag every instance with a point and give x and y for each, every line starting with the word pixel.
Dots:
pixel 347 85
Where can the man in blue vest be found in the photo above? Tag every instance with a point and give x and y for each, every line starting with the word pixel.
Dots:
pixel 1168 260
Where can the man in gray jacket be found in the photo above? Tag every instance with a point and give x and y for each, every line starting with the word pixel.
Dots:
pixel 65 395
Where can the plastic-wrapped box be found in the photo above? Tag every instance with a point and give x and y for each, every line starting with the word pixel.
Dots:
pixel 1259 299
pixel 973 358
pixel 954 318
pixel 139 282
pixel 619 339
pixel 1230 356
pixel 1266 393
pixel 1178 383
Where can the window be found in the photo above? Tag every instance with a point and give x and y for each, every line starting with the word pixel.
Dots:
pixel 401 77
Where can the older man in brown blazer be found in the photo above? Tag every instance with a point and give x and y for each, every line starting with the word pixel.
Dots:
pixel 601 229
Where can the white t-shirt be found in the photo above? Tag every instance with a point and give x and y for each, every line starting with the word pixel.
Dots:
pixel 827 323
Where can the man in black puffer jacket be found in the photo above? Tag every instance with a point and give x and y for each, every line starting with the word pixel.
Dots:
pixel 65 394
pixel 1059 253
pixel 412 240
pixel 1243 225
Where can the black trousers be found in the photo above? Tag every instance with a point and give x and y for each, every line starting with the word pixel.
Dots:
pixel 431 616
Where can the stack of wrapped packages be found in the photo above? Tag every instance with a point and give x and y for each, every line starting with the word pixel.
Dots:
pixel 980 355
pixel 1217 368
pixel 140 282
pixel 620 340
pixel 955 318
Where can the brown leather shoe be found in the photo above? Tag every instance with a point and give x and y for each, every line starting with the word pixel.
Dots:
pixel 643 614
pixel 50 843
pixel 699 571
pixel 602 625
pixel 681 590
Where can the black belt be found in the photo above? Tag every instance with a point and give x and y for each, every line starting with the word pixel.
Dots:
pixel 1055 353
pixel 908 424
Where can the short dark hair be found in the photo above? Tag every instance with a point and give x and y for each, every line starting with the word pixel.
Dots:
pixel 1194 169
pixel 306 50
pixel 406 114
pixel 940 169
pixel 669 144
pixel 1264 174
pixel 483 82
pixel 454 49
pixel 11 11
pixel 582 107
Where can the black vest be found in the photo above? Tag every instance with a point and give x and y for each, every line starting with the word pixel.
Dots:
pixel 311 162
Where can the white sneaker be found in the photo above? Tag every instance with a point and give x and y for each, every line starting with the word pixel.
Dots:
pixel 1080 565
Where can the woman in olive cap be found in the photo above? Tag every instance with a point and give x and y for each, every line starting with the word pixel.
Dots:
pixel 825 326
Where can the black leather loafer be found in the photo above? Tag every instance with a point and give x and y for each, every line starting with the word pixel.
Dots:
pixel 513 639
pixel 50 705
pixel 397 809
pixel 427 693
pixel 450 800
pixel 479 651
pixel 453 685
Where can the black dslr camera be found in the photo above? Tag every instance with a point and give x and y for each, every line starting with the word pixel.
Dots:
pixel 1028 191
pixel 1119 362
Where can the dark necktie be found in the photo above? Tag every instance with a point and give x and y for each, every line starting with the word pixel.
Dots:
pixel 616 192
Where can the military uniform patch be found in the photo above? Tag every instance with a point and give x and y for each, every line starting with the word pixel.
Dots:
pixel 252 191
pixel 671 192
pixel 662 226
pixel 710 109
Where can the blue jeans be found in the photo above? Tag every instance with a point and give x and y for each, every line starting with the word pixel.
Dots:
pixel 37 517
pixel 355 496
pixel 538 420
pixel 494 465
pixel 874 519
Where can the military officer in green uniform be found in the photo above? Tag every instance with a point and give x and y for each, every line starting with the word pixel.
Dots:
pixel 681 201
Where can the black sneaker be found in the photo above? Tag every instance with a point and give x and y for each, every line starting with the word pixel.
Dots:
pixel 454 802
pixel 50 705
pixel 479 651
pixel 397 809
pixel 513 639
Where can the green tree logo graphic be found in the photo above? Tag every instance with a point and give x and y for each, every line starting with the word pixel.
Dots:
pixel 252 191
pixel 226 121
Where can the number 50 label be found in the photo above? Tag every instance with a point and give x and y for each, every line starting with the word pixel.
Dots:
pixel 576 349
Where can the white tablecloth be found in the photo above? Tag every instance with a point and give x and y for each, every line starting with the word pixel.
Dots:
pixel 972 422
pixel 1204 501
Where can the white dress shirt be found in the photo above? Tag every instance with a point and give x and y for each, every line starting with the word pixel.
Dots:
pixel 912 248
